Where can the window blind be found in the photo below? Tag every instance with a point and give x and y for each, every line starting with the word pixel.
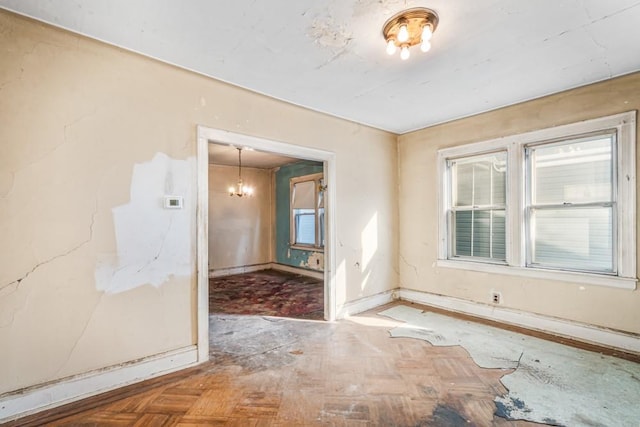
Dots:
pixel 304 195
pixel 478 206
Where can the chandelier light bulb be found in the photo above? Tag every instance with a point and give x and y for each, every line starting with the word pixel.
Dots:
pixel 404 53
pixel 391 47
pixel 240 189
pixel 425 46
pixel 403 33
pixel 426 33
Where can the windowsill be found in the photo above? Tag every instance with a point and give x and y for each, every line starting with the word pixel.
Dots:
pixel 564 276
pixel 306 248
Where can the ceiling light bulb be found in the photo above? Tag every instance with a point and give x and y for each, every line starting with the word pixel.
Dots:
pixel 426 33
pixel 391 47
pixel 403 33
pixel 425 46
pixel 404 53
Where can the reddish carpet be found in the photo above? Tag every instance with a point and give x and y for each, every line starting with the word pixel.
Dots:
pixel 268 293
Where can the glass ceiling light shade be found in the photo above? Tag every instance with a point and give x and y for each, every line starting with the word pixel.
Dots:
pixel 240 189
pixel 409 28
pixel 391 47
pixel 404 53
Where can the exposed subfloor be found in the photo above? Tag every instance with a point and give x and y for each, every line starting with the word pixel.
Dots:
pixel 284 372
pixel 551 383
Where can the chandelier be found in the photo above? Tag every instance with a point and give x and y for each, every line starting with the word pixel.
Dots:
pixel 409 28
pixel 240 189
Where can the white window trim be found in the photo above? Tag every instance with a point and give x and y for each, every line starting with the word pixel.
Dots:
pixel 316 177
pixel 625 125
pixel 450 235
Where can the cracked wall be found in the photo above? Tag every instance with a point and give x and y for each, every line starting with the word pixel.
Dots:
pixel 590 304
pixel 83 122
pixel 75 125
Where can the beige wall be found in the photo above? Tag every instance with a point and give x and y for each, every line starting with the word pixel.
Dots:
pixel 602 306
pixel 240 229
pixel 91 139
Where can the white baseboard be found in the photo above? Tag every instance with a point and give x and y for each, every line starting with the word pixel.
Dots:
pixel 71 389
pixel 367 303
pixel 238 270
pixel 565 328
pixel 296 270
pixel 221 272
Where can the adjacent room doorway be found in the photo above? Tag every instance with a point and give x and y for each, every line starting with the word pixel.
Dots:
pixel 208 136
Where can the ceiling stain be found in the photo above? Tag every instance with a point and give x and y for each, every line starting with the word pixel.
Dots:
pixel 329 34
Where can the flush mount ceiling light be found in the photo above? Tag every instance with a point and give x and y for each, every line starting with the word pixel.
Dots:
pixel 409 28
pixel 240 189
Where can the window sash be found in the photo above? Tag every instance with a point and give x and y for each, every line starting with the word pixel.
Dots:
pixel 567 255
pixel 308 201
pixel 494 249
pixel 565 224
pixel 482 187
pixel 304 218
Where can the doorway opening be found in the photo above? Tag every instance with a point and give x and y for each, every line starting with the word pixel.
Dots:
pixel 280 171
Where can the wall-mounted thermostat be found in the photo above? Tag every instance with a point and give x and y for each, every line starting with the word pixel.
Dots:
pixel 173 202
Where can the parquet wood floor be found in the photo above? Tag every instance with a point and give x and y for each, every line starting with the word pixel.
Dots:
pixel 304 373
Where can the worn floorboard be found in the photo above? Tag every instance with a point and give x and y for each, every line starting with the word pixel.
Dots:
pixel 347 373
pixel 270 371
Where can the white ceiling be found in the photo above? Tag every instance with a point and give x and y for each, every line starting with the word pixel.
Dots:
pixel 330 55
pixel 224 154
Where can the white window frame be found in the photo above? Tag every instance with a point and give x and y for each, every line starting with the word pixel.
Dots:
pixel 625 126
pixel 453 209
pixel 318 179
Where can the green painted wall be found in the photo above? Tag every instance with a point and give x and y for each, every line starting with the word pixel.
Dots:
pixel 285 255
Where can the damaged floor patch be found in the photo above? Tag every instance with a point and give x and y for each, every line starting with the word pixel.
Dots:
pixel 551 383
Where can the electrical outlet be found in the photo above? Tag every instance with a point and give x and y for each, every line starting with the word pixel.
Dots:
pixel 496 297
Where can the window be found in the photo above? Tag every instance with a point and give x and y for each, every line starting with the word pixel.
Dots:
pixel 571 204
pixel 557 203
pixel 477 214
pixel 307 211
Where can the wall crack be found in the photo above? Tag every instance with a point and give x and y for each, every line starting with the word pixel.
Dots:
pixel 415 269
pixel 164 239
pixel 77 340
pixel 18 281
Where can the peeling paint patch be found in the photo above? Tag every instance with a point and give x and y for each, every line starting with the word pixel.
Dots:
pixel 329 34
pixel 384 7
pixel 153 243
pixel 313 261
pixel 316 261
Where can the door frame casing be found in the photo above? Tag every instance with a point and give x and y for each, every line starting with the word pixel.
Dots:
pixel 205 135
